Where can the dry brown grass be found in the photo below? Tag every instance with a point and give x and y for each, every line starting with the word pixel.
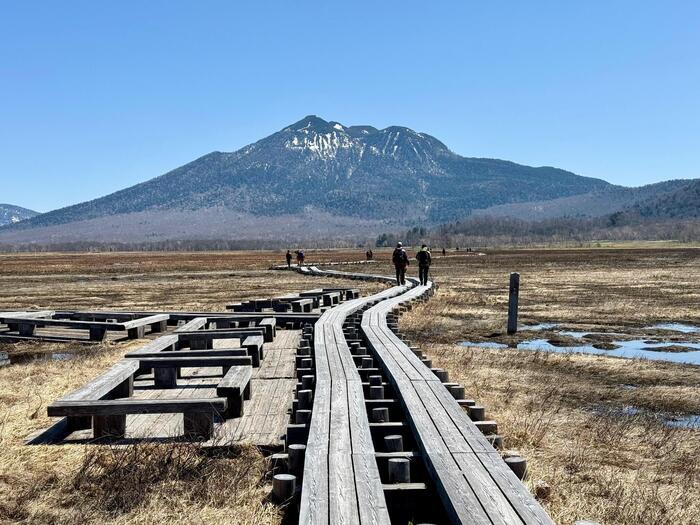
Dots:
pixel 563 411
pixel 149 281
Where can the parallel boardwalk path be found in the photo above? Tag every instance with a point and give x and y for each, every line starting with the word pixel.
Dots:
pixel 473 484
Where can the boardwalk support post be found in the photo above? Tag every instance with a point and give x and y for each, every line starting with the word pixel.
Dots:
pixel 399 470
pixel 283 486
pixel 518 465
pixel 513 302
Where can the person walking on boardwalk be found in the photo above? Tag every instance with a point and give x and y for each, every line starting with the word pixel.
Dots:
pixel 400 260
pixel 424 259
pixel 289 259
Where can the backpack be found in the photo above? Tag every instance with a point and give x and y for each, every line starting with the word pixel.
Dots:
pixel 399 258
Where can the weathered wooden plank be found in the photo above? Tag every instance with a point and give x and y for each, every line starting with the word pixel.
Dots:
pixel 133 406
pixel 105 383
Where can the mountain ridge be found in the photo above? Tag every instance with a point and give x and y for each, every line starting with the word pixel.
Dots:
pixel 12 214
pixel 390 176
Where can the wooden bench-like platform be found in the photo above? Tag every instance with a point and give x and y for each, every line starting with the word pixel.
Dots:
pixel 26 324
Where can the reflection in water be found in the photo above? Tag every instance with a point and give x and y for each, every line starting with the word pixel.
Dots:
pixel 677 327
pixel 638 349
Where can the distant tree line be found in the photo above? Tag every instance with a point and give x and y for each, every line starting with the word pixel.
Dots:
pixel 474 232
pixel 506 231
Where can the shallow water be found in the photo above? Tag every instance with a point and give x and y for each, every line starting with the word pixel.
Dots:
pixel 677 327
pixel 691 421
pixel 537 327
pixel 628 349
pixel 62 356
pixel 688 421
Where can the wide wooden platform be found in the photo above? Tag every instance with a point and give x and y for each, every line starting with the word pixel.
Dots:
pixel 266 413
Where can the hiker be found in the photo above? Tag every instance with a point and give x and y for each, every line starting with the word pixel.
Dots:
pixel 424 260
pixel 371 254
pixel 443 252
pixel 289 259
pixel 300 257
pixel 400 260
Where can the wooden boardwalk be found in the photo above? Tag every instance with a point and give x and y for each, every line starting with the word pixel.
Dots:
pixel 468 481
pixel 266 414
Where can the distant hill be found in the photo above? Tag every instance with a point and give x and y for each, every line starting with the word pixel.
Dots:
pixel 594 204
pixel 312 178
pixel 681 203
pixel 665 211
pixel 10 214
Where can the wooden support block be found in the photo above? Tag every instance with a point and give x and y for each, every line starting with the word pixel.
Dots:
pixel 487 427
pixel 97 333
pixel 305 399
pixel 295 459
pixel 380 415
pixel 442 375
pixel 104 427
pixel 457 391
pixel 26 329
pixel 74 423
pixel 283 486
pixel 125 389
pixel 160 326
pixel 137 332
pixel 307 382
pixel 375 380
pixel 302 417
pixel 466 403
pixel 393 443
pixel 297 434
pixel 165 377
pixel 376 392
pixel 518 465
pixel 495 440
pixel 477 413
pixel 198 425
pixel 200 344
pixel 399 470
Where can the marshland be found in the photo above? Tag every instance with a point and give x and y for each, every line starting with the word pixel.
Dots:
pixel 594 428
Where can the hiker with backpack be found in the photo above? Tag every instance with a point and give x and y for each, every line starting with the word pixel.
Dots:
pixel 400 260
pixel 424 259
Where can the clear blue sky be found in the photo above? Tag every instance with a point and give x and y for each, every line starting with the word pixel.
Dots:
pixel 97 96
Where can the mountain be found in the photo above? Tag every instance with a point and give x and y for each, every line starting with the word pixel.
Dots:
pixel 10 214
pixel 679 204
pixel 598 203
pixel 312 178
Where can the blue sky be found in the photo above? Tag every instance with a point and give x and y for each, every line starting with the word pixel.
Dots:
pixel 97 96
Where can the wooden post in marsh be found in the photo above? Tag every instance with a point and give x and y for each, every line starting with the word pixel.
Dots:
pixel 513 302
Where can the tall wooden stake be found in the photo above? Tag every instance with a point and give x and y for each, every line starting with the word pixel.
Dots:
pixel 513 303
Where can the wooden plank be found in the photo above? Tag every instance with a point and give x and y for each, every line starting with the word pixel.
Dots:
pixel 193 325
pixel 103 384
pixel 193 362
pixel 133 406
pixel 161 344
